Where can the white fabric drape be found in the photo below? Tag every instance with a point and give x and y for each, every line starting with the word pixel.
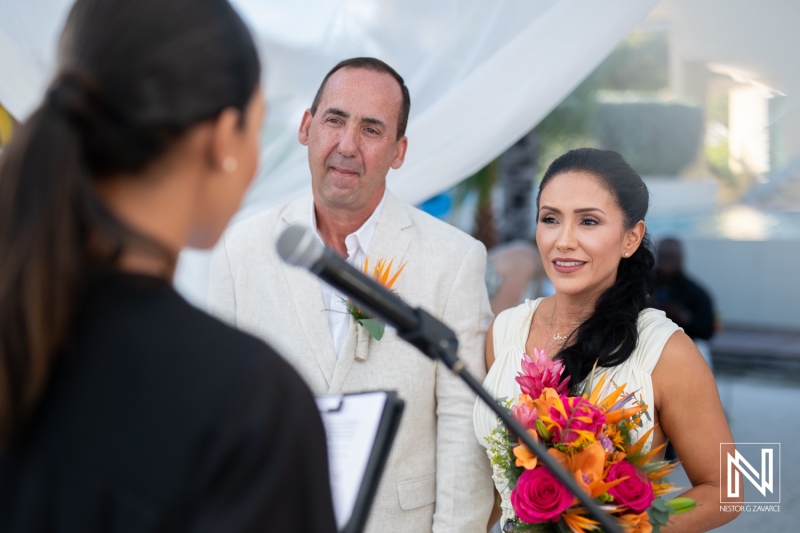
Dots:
pixel 481 74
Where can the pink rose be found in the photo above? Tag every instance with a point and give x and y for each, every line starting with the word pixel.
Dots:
pixel 540 497
pixel 636 492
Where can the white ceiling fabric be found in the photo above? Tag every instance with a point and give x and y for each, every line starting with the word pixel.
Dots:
pixel 481 73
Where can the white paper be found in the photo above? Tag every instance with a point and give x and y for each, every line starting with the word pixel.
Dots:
pixel 351 425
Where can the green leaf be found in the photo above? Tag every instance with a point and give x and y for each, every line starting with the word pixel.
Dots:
pixel 374 327
pixel 657 517
pixel 681 505
pixel 659 504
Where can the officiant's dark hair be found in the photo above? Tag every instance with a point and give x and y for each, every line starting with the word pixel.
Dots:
pixel 133 77
pixel 610 334
pixel 375 65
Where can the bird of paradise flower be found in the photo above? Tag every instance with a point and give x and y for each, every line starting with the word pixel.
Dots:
pixel 382 273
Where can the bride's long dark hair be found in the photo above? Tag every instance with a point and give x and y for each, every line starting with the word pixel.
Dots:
pixel 610 334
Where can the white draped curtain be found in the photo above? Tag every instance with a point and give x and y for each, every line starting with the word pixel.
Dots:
pixel 481 73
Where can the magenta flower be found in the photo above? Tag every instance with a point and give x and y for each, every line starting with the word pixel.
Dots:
pixel 540 497
pixel 575 421
pixel 636 492
pixel 540 373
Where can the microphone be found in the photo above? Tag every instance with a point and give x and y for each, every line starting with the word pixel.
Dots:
pixel 300 247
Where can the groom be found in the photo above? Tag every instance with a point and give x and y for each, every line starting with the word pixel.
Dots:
pixel 437 478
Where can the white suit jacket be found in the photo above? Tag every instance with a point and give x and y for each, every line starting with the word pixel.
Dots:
pixel 438 477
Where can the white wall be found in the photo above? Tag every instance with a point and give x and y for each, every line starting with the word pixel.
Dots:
pixel 753 283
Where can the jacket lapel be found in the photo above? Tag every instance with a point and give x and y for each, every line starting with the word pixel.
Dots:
pixel 390 241
pixel 307 296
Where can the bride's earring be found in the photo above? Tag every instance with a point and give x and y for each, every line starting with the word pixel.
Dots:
pixel 627 254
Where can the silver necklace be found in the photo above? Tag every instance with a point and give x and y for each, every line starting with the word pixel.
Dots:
pixel 556 336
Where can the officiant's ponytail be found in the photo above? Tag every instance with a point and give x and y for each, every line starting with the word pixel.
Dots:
pixel 134 75
pixel 610 334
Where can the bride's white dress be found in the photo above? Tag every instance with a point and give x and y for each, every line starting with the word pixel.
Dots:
pixel 510 333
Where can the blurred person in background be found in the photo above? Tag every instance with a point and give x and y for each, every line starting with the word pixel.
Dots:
pixel 683 300
pixel 123 408
pixel 514 273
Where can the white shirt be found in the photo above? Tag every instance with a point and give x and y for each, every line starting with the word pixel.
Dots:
pixel 357 244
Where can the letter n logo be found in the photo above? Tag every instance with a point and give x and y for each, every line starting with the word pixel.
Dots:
pixel 754 462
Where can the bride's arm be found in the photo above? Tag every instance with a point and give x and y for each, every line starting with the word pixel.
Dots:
pixel 690 414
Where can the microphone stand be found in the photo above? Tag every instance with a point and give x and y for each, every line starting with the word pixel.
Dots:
pixel 437 341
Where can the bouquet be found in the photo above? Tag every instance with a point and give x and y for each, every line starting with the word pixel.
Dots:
pixel 592 438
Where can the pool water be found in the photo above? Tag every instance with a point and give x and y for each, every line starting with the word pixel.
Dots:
pixel 735 222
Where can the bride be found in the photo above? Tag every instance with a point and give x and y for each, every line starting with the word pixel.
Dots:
pixel 593 241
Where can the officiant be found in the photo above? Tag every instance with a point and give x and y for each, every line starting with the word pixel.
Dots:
pixel 122 407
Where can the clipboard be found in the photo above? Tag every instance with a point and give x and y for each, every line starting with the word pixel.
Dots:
pixel 360 429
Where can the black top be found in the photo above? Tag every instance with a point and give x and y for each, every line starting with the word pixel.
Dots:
pixel 161 418
pixel 687 304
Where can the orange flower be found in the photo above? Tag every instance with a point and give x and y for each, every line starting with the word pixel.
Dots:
pixel 587 466
pixel 545 401
pixel 617 415
pixel 616 457
pixel 382 272
pixel 526 458
pixel 578 521
pixel 636 523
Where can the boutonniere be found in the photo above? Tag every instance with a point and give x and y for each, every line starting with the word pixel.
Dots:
pixel 381 273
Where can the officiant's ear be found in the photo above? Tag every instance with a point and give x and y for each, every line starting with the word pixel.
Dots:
pixel 633 239
pixel 223 138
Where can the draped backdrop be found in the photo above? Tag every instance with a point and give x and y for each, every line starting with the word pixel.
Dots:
pixel 481 73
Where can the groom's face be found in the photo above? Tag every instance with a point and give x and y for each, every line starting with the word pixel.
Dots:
pixel 352 139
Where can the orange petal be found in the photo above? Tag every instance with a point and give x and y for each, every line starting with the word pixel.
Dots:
pixel 577 521
pixel 611 398
pixel 590 461
pixel 526 458
pixel 394 278
pixel 636 449
pixel 613 417
pixel 545 401
pixel 595 395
